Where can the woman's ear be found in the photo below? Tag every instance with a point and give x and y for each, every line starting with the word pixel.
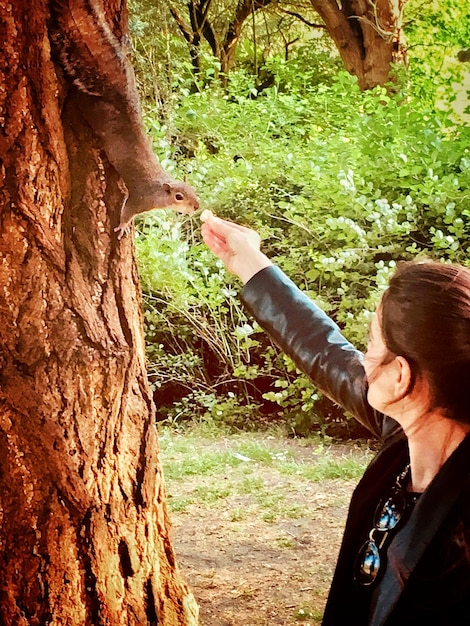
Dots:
pixel 403 377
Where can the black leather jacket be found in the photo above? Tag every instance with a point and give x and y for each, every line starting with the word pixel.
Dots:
pixel 315 344
pixel 427 580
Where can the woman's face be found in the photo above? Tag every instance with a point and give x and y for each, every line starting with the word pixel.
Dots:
pixel 378 365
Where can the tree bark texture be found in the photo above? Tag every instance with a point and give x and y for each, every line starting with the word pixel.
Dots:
pixel 84 532
pixel 368 35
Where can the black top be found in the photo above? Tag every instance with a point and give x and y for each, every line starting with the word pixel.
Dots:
pixel 427 580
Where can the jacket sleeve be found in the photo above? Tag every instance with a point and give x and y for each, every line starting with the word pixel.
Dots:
pixel 314 342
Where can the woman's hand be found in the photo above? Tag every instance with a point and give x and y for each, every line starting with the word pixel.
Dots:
pixel 236 246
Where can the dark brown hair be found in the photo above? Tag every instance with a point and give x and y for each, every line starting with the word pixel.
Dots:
pixel 425 316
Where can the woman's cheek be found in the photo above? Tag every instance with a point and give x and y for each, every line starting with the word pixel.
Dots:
pixel 374 392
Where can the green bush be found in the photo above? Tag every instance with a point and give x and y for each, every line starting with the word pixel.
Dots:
pixel 341 184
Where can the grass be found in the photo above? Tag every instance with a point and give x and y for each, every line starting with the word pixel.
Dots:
pixel 210 468
pixel 344 468
pixel 259 518
pixel 305 613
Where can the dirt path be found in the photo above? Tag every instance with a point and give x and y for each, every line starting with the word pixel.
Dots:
pixel 251 566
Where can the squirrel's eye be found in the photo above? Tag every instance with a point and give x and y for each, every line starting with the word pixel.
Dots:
pixel 179 197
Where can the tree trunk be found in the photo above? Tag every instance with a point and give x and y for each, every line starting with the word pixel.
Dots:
pixel 192 37
pixel 224 46
pixel 228 47
pixel 368 35
pixel 84 532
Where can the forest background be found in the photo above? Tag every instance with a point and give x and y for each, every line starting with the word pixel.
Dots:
pixel 341 182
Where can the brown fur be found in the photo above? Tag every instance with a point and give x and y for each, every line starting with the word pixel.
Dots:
pixel 95 61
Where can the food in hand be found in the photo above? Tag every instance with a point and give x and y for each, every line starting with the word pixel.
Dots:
pixel 206 215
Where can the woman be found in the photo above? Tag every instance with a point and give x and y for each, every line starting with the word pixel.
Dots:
pixel 405 555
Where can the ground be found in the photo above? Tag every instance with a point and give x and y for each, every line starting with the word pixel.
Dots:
pixel 257 541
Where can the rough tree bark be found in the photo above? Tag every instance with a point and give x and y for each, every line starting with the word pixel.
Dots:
pixel 84 532
pixel 368 35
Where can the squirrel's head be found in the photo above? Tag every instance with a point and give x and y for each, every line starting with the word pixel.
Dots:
pixel 171 194
pixel 180 197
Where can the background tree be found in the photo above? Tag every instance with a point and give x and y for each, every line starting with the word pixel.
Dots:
pixel 222 30
pixel 84 533
pixel 367 35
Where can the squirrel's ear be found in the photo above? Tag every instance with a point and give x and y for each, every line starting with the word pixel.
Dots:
pixel 167 187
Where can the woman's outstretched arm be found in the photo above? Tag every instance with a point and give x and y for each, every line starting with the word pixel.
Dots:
pixel 300 328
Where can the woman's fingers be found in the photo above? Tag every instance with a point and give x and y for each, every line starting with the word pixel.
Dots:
pixel 221 225
pixel 238 247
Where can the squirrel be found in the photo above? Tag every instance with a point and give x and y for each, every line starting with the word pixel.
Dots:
pixel 97 64
pixel 464 55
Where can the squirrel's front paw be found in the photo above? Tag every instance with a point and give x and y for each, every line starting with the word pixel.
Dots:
pixel 122 229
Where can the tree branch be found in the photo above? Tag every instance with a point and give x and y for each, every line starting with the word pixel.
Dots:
pixel 302 18
pixel 185 31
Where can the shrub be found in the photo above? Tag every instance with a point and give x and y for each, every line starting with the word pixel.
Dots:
pixel 341 184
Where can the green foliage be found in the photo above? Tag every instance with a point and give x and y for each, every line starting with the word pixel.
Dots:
pixel 436 31
pixel 198 366
pixel 341 184
pixel 168 64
